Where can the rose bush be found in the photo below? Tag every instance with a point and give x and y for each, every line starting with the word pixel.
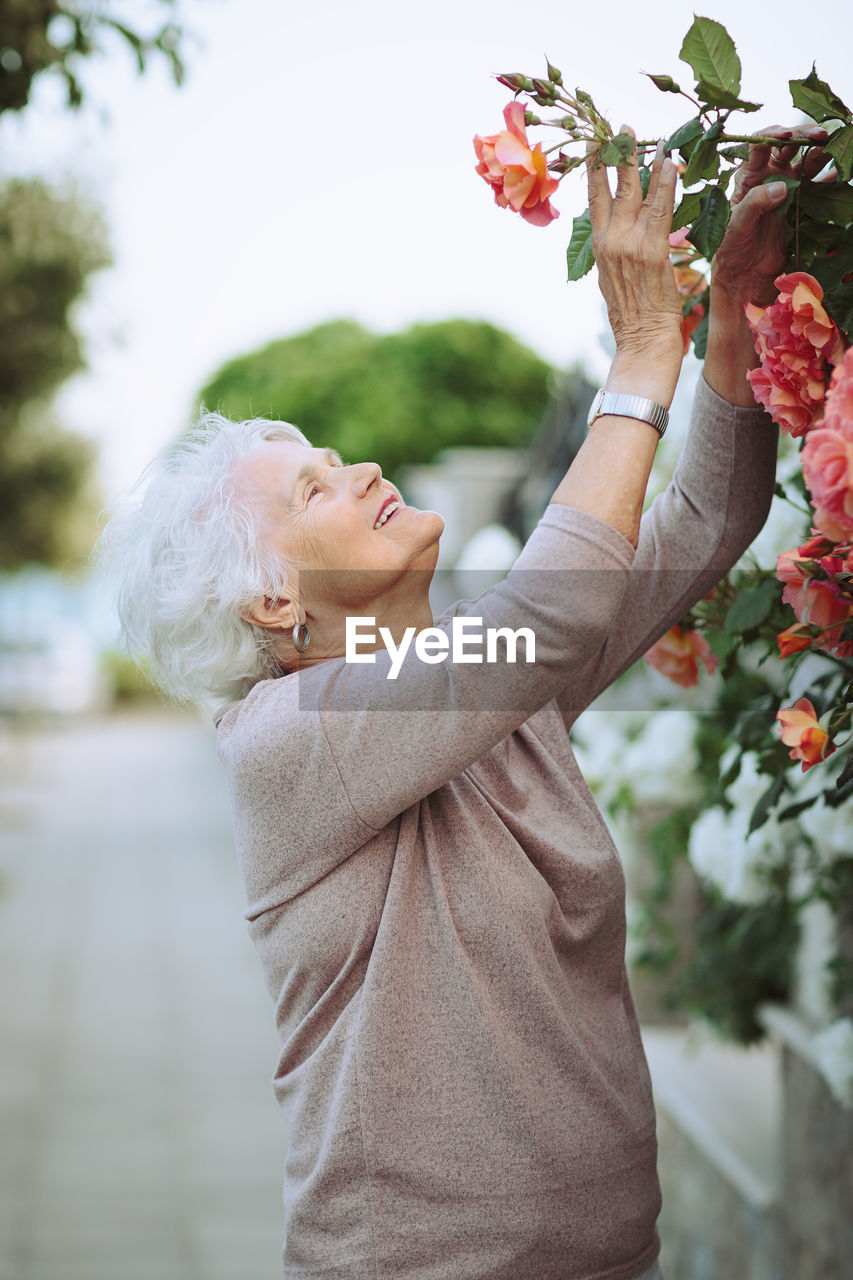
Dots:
pixel 759 843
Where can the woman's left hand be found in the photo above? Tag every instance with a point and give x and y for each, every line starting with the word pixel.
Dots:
pixel 753 250
pixel 631 250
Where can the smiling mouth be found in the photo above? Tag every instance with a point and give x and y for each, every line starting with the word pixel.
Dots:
pixel 388 512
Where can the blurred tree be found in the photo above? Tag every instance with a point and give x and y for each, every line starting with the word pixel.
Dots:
pixel 396 399
pixel 49 245
pixel 45 35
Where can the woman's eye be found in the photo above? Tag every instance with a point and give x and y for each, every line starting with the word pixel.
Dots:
pixel 315 488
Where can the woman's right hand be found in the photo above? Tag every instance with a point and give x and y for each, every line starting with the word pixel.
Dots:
pixel 630 243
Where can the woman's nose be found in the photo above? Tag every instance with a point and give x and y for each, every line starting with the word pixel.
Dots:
pixel 364 475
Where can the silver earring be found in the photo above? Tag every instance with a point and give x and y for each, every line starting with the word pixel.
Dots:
pixel 300 644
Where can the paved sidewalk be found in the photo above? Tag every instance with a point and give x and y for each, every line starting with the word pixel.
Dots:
pixel 140 1136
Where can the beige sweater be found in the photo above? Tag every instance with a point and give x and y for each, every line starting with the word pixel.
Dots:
pixel 439 912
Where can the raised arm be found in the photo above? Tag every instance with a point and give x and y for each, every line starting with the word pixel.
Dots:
pixel 610 473
pixel 721 492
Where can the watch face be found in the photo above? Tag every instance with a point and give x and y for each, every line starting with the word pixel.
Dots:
pixel 594 407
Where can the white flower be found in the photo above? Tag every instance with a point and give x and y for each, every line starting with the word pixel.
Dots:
pixel 833 1051
pixel 660 766
pixel 749 785
pixel 720 851
pixel 830 827
pixel 599 739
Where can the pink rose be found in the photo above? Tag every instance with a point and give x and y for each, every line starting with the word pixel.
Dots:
pixel 795 340
pixel 678 653
pixel 828 457
pixel 517 173
pixel 819 601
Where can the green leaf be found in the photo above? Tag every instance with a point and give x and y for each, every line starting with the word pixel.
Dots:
pixel 579 259
pixel 710 51
pixel 827 202
pixel 704 161
pixel 687 210
pixel 815 97
pixel 684 135
pixel 666 84
pixel 753 725
pixel 840 147
pixel 645 179
pixel 751 607
pixel 766 802
pixel 618 150
pixel 699 336
pixel 709 227
pixel 846 774
pixel 713 96
pixel 835 275
pixel 738 152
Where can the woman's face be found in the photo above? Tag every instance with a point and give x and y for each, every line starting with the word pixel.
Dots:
pixel 322 518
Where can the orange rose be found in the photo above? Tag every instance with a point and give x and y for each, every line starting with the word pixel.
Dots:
pixel 802 732
pixel 690 323
pixel 516 172
pixel 677 655
pixel 793 640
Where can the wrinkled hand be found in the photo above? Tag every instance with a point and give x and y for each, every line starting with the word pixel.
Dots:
pixel 631 250
pixel 753 250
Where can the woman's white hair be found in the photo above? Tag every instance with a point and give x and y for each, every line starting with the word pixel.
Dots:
pixel 186 559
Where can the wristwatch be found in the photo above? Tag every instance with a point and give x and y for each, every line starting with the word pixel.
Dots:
pixel 626 406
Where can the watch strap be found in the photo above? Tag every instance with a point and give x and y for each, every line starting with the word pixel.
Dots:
pixel 622 405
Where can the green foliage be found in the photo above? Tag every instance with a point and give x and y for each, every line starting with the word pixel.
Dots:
pixel 397 399
pixel 710 51
pixel 742 959
pixel 710 226
pixel 579 259
pixel 46 501
pixel 818 216
pixel 49 35
pixel 129 679
pixel 50 243
pixel 814 97
pixel 840 147
pixel 751 607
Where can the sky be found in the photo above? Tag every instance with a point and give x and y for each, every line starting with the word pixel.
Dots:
pixel 318 163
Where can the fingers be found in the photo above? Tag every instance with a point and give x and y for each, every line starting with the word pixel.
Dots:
pixel 660 201
pixel 657 165
pixel 768 160
pixel 629 192
pixel 749 211
pixel 812 162
pixel 600 199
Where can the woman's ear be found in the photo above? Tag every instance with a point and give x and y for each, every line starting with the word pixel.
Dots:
pixel 272 614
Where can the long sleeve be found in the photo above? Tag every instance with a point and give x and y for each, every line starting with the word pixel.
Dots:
pixel 352 748
pixel 716 503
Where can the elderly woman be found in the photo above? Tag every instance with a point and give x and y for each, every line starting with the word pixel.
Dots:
pixel 436 902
